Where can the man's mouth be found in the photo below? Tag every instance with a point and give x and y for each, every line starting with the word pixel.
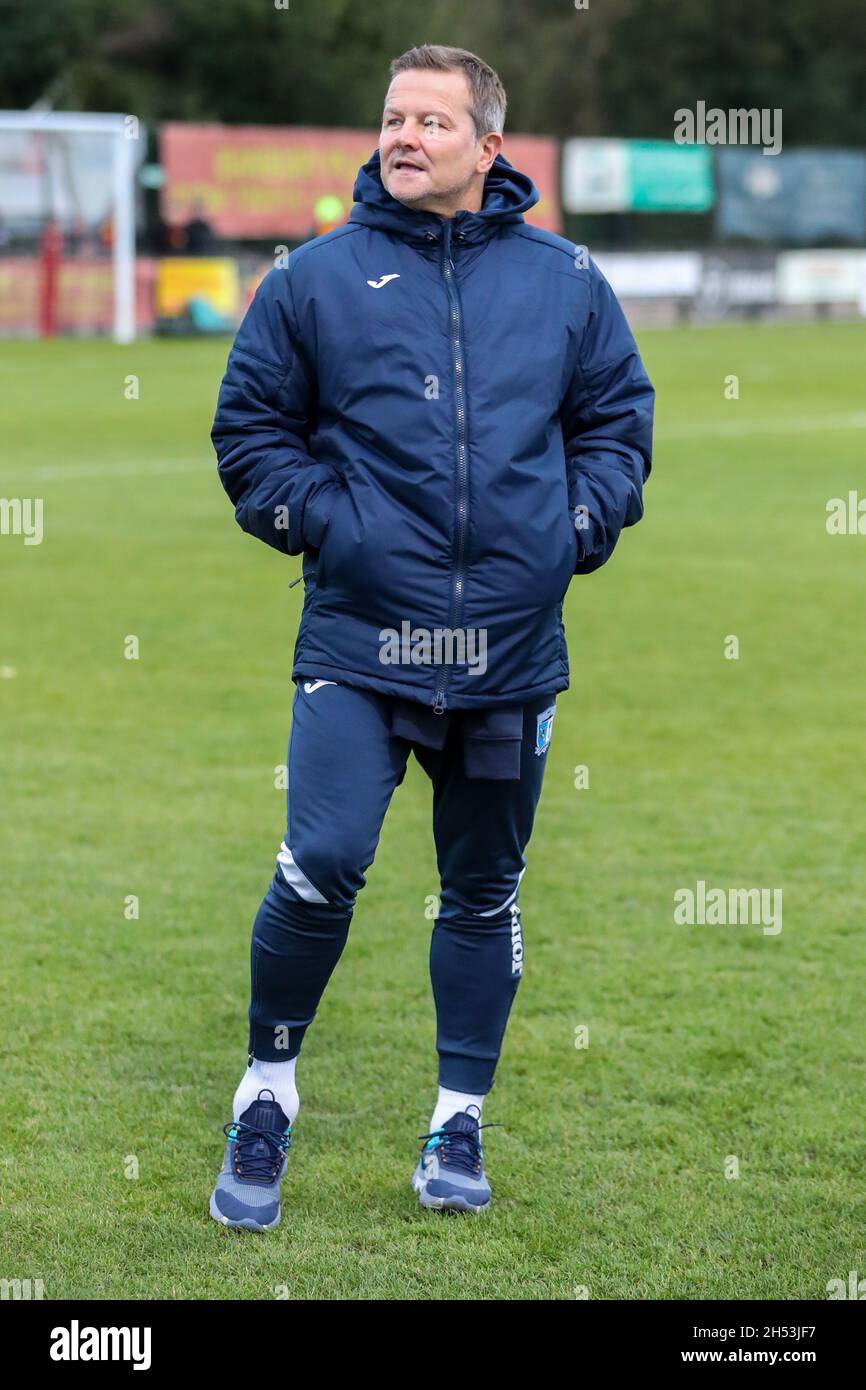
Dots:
pixel 406 166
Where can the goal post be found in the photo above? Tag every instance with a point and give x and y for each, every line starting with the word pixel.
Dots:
pixel 75 169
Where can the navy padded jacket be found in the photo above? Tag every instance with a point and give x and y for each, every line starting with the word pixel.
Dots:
pixel 448 418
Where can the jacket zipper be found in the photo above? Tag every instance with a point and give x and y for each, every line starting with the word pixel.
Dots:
pixel 459 579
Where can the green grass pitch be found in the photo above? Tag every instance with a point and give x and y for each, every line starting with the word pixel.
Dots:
pixel 123 1039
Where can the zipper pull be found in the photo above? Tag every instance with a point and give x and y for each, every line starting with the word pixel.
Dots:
pixel 439 706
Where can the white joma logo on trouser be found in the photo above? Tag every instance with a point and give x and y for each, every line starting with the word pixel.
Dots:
pixel 516 942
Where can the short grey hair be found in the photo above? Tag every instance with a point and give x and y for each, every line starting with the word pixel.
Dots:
pixel 488 99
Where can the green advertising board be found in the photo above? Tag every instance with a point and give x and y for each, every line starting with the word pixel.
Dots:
pixel 664 177
pixel 636 176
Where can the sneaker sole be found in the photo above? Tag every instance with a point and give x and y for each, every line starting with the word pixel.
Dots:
pixel 446 1203
pixel 247 1224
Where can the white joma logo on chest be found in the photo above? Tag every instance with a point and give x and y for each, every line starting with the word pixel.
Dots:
pixel 377 284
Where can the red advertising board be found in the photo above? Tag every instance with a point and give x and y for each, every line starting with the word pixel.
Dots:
pixel 84 295
pixel 253 182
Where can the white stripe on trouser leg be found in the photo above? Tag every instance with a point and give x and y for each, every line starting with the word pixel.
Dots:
pixel 516 942
pixel 508 901
pixel 295 878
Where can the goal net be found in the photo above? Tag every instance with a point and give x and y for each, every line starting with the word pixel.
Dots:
pixel 67 223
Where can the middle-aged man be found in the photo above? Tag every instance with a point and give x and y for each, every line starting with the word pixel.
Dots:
pixel 443 410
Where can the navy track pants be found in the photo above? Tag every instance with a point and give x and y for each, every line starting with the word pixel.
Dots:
pixel 343 767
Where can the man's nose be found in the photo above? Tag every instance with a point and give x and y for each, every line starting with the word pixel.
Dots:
pixel 409 136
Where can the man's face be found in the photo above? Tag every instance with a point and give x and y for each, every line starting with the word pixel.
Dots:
pixel 430 158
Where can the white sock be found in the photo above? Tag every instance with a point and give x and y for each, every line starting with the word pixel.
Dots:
pixel 278 1077
pixel 449 1103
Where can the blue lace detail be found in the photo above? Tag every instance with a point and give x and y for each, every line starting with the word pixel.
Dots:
pixel 458 1150
pixel 261 1166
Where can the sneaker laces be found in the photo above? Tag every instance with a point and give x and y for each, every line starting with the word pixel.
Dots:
pixel 258 1152
pixel 460 1149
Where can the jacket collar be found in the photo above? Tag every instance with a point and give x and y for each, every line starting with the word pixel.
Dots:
pixel 508 194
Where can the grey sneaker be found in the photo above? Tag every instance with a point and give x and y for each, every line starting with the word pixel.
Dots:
pixel 247 1193
pixel 450 1172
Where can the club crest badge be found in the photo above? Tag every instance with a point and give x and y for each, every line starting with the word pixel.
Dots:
pixel 543 730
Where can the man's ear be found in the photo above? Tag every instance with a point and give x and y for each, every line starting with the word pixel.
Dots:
pixel 488 149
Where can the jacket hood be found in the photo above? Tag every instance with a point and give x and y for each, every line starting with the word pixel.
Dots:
pixel 508 194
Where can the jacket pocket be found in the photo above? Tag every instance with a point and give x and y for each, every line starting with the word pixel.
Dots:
pixel 567 552
pixel 327 542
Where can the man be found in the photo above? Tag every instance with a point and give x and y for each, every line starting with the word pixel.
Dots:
pixel 441 408
pixel 199 239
